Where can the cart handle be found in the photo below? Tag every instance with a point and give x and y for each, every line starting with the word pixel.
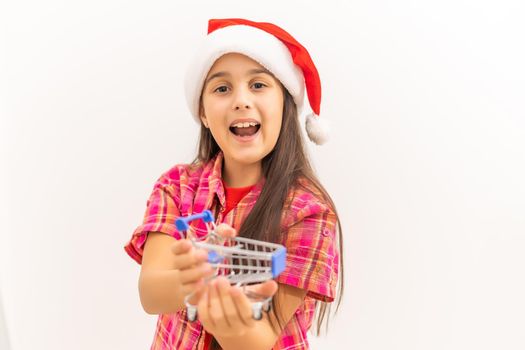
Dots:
pixel 182 222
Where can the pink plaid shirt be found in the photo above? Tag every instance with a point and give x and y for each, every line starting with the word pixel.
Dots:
pixel 312 254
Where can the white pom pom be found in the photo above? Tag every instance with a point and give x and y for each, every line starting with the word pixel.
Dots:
pixel 317 129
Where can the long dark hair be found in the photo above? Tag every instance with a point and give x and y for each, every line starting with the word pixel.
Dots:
pixel 282 169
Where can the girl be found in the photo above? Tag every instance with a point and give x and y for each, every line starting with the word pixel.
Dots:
pixel 246 88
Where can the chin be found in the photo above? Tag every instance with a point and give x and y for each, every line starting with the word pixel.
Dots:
pixel 248 157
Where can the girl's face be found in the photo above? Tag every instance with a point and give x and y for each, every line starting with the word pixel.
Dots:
pixel 242 105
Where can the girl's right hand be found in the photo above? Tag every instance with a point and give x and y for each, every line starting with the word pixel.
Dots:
pixel 192 266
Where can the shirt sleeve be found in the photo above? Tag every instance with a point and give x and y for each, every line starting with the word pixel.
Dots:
pixel 161 213
pixel 312 255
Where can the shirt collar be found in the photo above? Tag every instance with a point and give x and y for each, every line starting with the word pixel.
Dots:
pixel 216 187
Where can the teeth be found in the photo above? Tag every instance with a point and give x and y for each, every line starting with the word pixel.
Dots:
pixel 244 125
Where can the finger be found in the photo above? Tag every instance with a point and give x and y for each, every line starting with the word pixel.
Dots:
pixel 226 230
pixel 228 306
pixel 215 307
pixel 193 289
pixel 265 289
pixel 181 246
pixel 203 310
pixel 190 258
pixel 243 305
pixel 198 291
pixel 192 275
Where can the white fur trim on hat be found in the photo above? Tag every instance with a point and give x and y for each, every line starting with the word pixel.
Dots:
pixel 259 45
pixel 317 129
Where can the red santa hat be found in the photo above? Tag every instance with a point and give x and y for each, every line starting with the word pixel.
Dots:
pixel 273 48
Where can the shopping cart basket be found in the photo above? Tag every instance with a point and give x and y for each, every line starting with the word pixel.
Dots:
pixel 242 261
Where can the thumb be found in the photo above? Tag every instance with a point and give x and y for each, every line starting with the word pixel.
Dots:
pixel 225 230
pixel 265 289
pixel 181 246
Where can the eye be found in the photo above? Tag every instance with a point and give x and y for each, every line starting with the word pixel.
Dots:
pixel 258 85
pixel 221 89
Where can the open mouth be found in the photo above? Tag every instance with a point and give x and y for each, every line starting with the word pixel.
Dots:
pixel 245 129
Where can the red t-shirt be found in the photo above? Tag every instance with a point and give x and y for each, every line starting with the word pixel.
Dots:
pixel 234 195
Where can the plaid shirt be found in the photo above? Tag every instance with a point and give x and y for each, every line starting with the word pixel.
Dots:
pixel 312 254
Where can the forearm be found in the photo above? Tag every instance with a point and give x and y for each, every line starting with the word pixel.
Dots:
pixel 160 291
pixel 260 337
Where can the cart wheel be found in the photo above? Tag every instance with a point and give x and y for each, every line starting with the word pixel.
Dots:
pixel 257 311
pixel 267 306
pixel 191 313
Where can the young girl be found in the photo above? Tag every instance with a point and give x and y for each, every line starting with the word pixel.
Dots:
pixel 246 88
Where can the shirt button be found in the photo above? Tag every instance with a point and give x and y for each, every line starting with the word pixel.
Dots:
pixel 325 233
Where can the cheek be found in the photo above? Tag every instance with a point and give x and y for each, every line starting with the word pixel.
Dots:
pixel 275 117
pixel 273 129
pixel 213 117
pixel 214 107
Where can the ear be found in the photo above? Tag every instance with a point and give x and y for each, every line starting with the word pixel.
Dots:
pixel 204 121
pixel 202 115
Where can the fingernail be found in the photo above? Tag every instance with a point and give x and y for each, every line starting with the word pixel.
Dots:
pixel 224 282
pixel 236 291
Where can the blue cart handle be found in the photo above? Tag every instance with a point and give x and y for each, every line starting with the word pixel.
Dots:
pixel 182 222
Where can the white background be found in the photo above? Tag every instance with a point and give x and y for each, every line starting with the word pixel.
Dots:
pixel 426 163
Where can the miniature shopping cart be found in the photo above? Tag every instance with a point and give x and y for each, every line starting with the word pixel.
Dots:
pixel 242 261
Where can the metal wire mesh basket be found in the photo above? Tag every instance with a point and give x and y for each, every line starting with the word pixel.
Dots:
pixel 242 261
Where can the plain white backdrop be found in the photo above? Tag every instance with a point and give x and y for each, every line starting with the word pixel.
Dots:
pixel 426 163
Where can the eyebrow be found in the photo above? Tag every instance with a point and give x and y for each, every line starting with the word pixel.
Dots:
pixel 225 74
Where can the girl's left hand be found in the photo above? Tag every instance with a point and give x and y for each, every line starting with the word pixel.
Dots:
pixel 225 311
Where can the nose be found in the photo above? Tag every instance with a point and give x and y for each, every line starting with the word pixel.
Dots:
pixel 242 99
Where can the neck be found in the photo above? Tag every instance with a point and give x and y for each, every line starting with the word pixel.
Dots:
pixel 241 175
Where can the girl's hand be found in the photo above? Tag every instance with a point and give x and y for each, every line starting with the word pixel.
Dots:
pixel 192 264
pixel 192 267
pixel 226 230
pixel 225 311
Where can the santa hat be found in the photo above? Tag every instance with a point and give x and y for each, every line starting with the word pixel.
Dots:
pixel 273 48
